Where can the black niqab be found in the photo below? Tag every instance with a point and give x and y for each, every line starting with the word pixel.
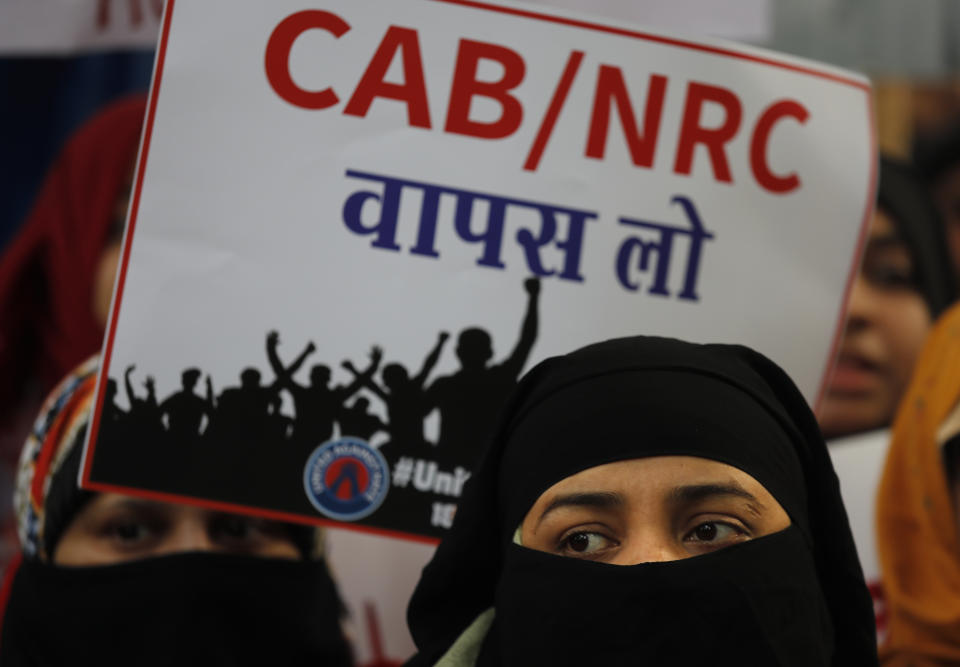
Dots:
pixel 796 597
pixel 195 608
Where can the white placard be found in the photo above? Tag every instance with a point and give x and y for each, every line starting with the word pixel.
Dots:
pixel 859 460
pixel 354 175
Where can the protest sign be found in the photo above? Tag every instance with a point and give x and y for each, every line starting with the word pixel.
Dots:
pixel 354 225
pixel 858 460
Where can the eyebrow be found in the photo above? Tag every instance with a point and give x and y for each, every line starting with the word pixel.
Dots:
pixel 136 504
pixel 884 241
pixel 594 499
pixel 697 492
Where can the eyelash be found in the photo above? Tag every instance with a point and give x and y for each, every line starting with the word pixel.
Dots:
pixel 564 543
pixel 740 529
pixel 152 527
pixel 887 277
pixel 224 529
pixel 725 524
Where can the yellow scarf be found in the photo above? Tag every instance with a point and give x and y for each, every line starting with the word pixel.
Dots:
pixel 917 537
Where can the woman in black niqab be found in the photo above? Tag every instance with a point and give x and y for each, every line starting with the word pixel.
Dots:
pixel 794 597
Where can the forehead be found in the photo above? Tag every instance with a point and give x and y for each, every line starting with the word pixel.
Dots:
pixel 652 475
pixel 115 501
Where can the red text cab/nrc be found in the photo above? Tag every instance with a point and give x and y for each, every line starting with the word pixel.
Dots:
pixel 610 93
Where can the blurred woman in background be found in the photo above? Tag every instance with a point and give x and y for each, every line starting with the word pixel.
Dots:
pixel 905 282
pixel 56 275
pixel 106 579
pixel 918 506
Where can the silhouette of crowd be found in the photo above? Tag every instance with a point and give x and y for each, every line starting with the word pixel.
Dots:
pixel 217 442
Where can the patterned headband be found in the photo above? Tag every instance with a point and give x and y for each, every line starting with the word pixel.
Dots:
pixel 65 412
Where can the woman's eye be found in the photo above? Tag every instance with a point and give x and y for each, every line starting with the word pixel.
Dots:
pixel 889 275
pixel 715 534
pixel 250 535
pixel 241 533
pixel 235 527
pixel 585 543
pixel 129 533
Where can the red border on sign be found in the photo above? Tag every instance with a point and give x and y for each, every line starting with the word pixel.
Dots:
pixel 660 39
pixel 276 515
pixel 857 256
pixel 128 240
pixel 87 483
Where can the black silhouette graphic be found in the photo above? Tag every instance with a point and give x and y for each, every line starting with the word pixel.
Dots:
pixel 112 416
pixel 243 447
pixel 246 409
pixel 317 404
pixel 143 410
pixel 406 401
pixel 470 399
pixel 357 420
pixel 279 426
pixel 184 411
pixel 148 404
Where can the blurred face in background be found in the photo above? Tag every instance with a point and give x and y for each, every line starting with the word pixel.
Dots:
pixel 113 528
pixel 887 321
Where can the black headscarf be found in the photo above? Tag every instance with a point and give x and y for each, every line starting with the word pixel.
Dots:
pixel 796 597
pixel 937 152
pixel 906 198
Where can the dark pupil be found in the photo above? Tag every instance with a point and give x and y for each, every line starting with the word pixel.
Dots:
pixel 128 531
pixel 579 542
pixel 706 532
pixel 235 527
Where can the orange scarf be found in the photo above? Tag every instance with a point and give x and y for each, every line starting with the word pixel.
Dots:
pixel 917 537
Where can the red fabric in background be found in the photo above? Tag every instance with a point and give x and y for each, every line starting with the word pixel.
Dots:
pixel 47 271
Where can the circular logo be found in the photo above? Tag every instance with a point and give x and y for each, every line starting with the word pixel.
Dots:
pixel 346 479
